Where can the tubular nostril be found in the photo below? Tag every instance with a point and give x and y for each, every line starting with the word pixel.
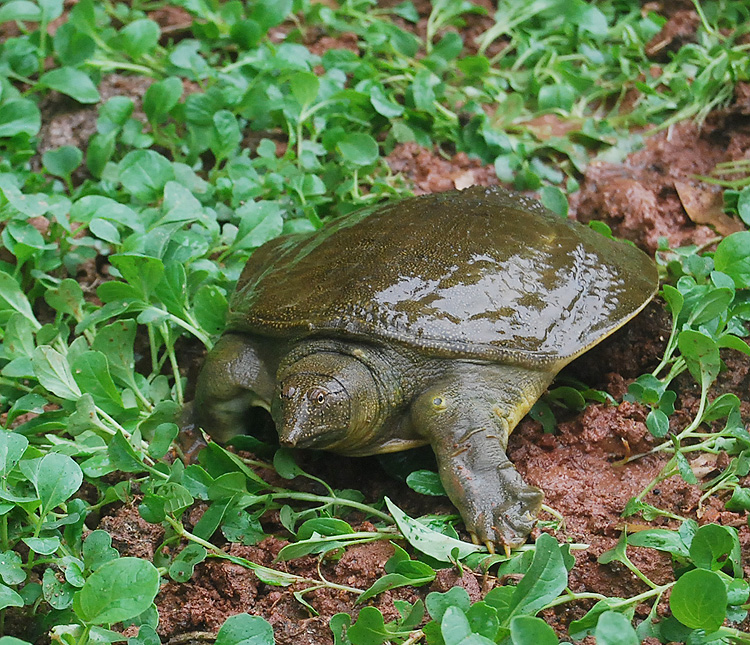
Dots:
pixel 288 392
pixel 291 437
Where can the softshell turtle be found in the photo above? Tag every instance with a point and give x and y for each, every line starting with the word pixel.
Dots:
pixel 437 319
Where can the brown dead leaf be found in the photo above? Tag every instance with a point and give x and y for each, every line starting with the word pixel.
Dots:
pixel 550 125
pixel 464 179
pixel 705 205
pixel 704 464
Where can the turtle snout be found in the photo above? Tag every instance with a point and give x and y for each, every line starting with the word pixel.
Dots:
pixel 310 413
pixel 292 422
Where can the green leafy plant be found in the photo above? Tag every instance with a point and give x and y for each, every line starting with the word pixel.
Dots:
pixel 709 307
pixel 240 136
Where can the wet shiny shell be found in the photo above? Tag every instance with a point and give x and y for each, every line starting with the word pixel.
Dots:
pixel 481 273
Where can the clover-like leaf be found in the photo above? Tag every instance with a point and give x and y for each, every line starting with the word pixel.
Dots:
pixel 699 600
pixel 243 629
pixel 118 590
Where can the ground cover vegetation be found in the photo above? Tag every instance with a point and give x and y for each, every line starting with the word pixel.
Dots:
pixel 119 251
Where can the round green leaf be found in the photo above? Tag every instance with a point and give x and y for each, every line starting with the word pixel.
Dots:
pixel 100 151
pixel 71 82
pixel 743 205
pixel 733 258
pixel 701 353
pixel 383 103
pixel 370 628
pixel 53 372
pixel 58 593
pixel 285 465
pixel 118 590
pixel 674 299
pixel 72 46
pixel 144 173
pixel 555 199
pixel 51 9
pixel 426 482
pixel 358 149
pixel 740 500
pixel 243 629
pixel 304 86
pixel 246 33
pixel 9 598
pixel 559 96
pixel 139 37
pixel 454 626
pixel 19 116
pixel 269 13
pixel 161 97
pixel 12 447
pixel 20 10
pixel 529 629
pixel 57 479
pixel 42 546
pixel 657 423
pixel 210 308
pixel 699 600
pixel 437 603
pixel 614 629
pixel 62 161
pixel 711 546
pixel 226 134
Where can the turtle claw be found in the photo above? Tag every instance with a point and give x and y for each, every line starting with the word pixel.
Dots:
pixel 190 440
pixel 508 521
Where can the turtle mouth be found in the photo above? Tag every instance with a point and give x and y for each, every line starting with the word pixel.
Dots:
pixel 295 439
pixel 302 435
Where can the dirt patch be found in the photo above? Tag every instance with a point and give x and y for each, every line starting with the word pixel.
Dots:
pixel 131 534
pixel 656 193
pixel 474 24
pixel 66 123
pixel 429 171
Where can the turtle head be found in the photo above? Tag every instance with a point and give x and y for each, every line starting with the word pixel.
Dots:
pixel 325 400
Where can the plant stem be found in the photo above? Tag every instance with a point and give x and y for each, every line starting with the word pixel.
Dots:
pixel 328 500
pixel 571 597
pixel 84 639
pixel 173 362
pixel 254 566
pixel 109 65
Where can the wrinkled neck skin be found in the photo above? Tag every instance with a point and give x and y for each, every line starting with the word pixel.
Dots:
pixel 337 396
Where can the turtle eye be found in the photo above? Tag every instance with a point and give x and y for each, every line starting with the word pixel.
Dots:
pixel 318 395
pixel 439 403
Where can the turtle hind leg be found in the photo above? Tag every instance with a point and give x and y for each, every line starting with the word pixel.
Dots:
pixel 467 418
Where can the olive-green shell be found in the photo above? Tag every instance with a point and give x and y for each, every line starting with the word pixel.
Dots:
pixel 481 273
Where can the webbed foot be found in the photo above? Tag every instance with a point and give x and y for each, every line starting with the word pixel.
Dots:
pixel 503 511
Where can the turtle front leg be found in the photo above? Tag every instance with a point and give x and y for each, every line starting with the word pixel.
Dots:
pixel 238 374
pixel 467 419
